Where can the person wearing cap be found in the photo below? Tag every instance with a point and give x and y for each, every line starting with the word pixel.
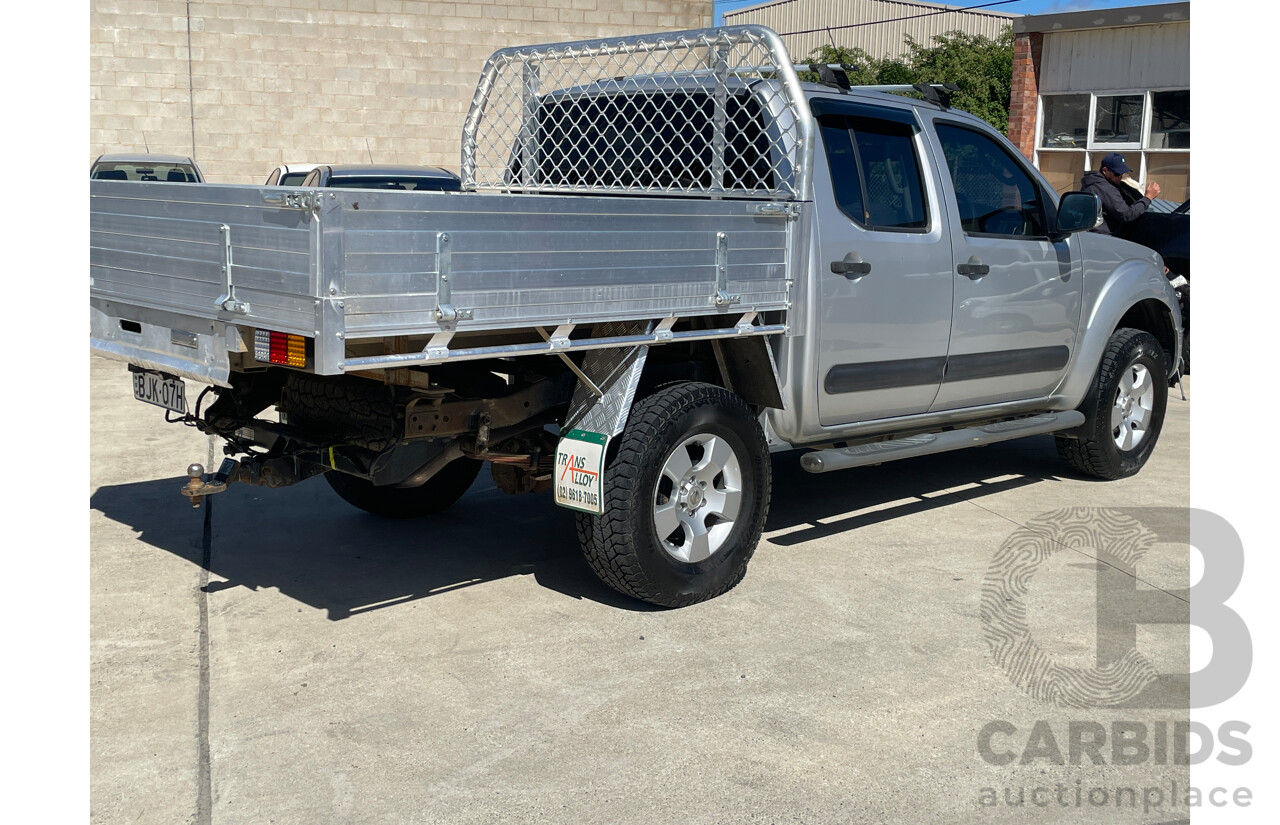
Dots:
pixel 1106 183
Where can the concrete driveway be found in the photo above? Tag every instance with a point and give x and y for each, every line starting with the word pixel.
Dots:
pixel 309 663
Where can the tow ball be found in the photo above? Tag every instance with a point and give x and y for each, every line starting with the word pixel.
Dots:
pixel 197 486
pixel 280 471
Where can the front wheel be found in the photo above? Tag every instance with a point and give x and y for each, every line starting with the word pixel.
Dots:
pixel 685 498
pixel 1124 409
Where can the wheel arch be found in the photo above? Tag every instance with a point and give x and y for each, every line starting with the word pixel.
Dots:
pixel 1155 317
pixel 744 366
pixel 1136 296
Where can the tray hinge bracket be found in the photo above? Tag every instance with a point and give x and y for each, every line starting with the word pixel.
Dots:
pixel 445 312
pixel 227 300
pixel 722 298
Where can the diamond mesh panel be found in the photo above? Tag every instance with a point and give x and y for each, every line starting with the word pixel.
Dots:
pixel 706 112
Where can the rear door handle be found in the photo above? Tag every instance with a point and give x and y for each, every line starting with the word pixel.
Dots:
pixel 851 267
pixel 973 269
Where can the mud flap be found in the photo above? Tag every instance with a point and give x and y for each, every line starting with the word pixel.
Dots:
pixel 599 410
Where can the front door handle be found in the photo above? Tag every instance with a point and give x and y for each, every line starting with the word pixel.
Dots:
pixel 973 269
pixel 851 267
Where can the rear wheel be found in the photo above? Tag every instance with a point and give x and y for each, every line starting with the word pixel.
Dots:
pixel 1124 409
pixel 436 494
pixel 685 498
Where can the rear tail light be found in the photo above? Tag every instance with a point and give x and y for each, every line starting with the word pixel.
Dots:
pixel 279 348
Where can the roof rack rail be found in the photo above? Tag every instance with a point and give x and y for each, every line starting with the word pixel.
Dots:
pixel 938 94
pixel 836 76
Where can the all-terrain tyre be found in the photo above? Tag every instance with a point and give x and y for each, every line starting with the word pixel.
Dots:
pixel 685 497
pixel 1124 409
pixel 436 494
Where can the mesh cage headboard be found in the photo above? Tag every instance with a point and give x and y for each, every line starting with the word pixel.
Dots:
pixel 708 112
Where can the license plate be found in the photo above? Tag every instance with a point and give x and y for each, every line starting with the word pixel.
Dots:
pixel 154 388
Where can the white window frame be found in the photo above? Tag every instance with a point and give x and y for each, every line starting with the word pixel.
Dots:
pixel 1146 132
pixel 1039 127
pixel 1094 151
pixel 1092 145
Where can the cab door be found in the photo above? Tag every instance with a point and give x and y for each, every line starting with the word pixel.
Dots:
pixel 1016 292
pixel 884 286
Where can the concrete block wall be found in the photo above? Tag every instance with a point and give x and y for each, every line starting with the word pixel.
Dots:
pixel 245 85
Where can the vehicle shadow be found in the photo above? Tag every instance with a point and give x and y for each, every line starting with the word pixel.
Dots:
pixel 314 547
pixel 910 486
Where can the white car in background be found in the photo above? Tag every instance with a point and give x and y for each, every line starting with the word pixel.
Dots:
pixel 289 174
pixel 140 166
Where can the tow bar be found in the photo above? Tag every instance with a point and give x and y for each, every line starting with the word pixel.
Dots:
pixel 257 471
pixel 197 487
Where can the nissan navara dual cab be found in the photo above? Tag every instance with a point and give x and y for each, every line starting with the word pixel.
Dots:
pixel 671 258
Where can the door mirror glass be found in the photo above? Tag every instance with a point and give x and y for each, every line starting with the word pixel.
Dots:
pixel 1078 211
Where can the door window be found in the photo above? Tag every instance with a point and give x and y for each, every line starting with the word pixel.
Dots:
pixel 875 170
pixel 994 193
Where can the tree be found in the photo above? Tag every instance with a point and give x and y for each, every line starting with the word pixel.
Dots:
pixel 863 69
pixel 980 66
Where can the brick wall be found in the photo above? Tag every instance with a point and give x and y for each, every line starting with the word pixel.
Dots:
pixel 309 81
pixel 1025 91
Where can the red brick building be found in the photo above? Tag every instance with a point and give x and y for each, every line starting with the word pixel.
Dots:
pixel 1109 80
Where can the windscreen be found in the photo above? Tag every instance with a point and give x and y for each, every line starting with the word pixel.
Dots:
pixel 171 172
pixel 397 183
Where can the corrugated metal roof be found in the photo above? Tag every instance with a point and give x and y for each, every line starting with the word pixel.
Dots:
pixel 1132 57
pixel 1104 18
pixel 893 21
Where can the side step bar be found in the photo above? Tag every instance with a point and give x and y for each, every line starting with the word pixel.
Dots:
pixel 840 458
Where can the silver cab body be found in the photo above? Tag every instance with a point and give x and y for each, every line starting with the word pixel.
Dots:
pixel 971 313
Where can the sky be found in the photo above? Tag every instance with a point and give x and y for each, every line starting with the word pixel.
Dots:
pixel 1015 7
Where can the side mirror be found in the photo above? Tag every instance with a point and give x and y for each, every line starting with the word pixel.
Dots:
pixel 1077 212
